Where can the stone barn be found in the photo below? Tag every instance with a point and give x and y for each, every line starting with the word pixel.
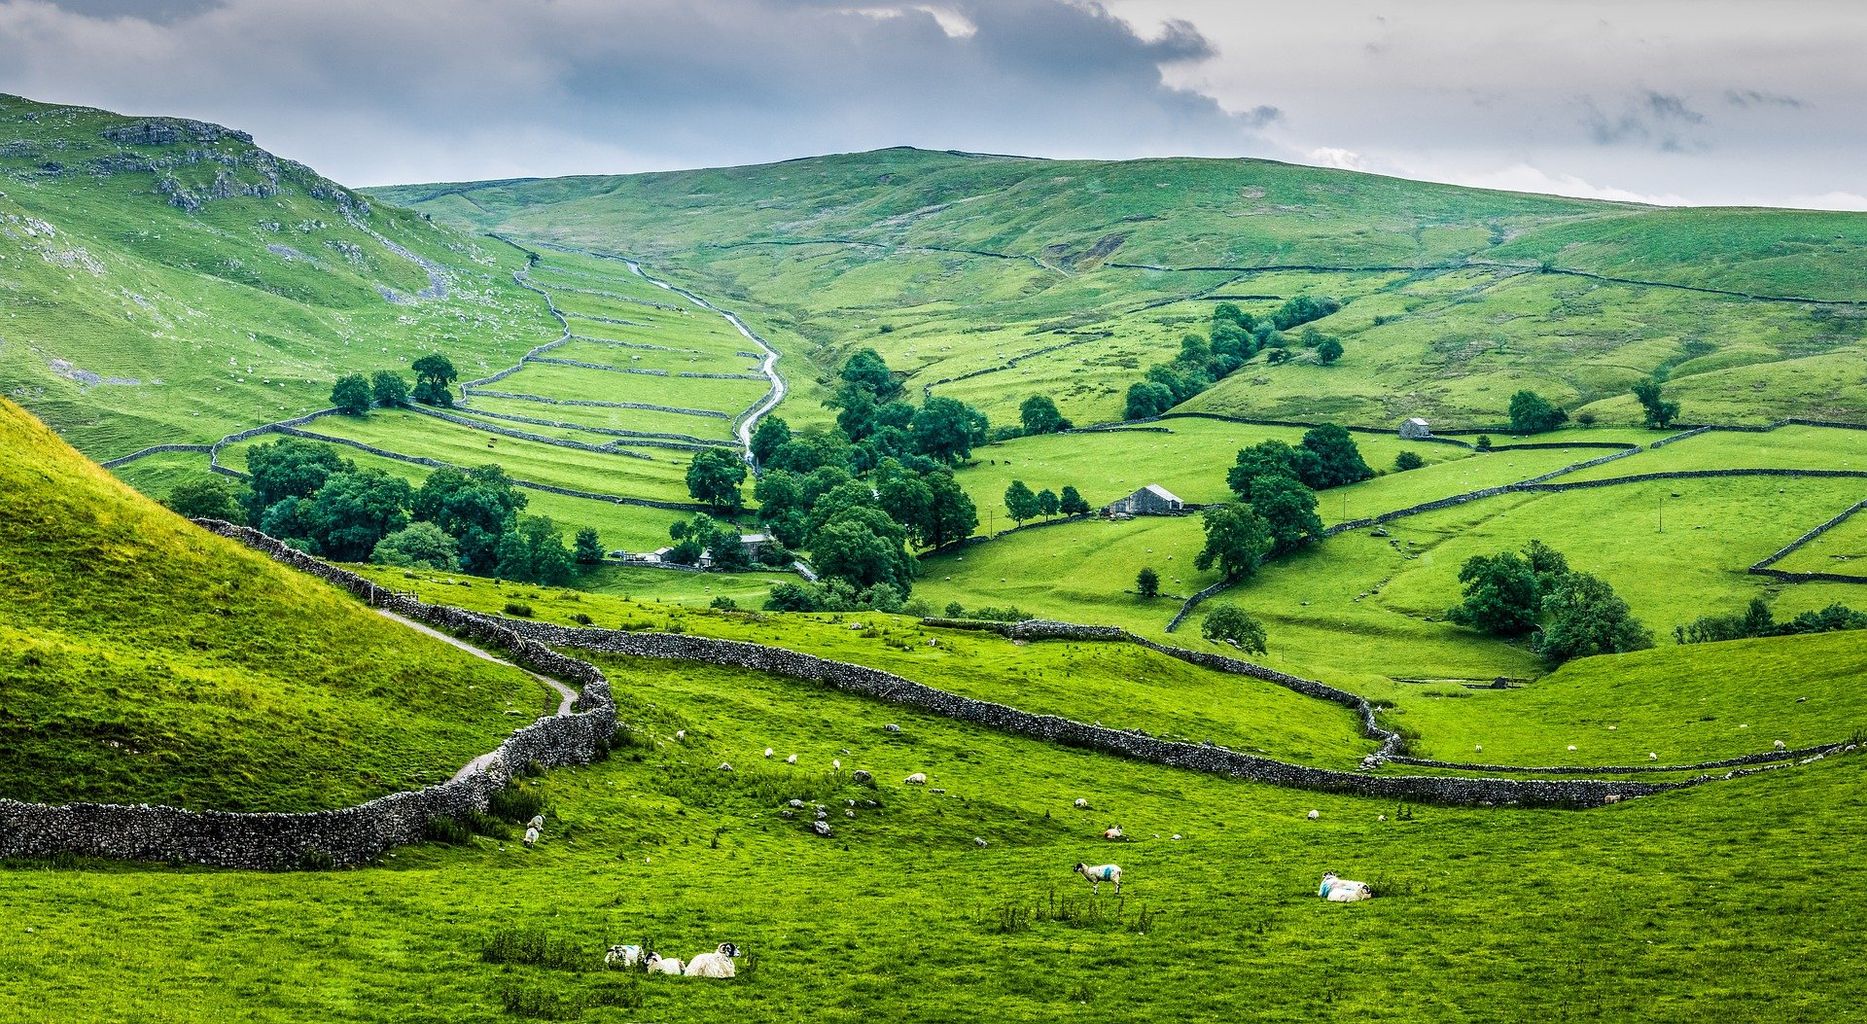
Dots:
pixel 1152 500
pixel 1415 428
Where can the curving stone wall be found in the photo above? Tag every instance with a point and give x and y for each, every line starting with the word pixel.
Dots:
pixel 345 836
pixel 1805 755
pixel 153 450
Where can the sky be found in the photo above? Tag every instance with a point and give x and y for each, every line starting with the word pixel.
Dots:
pixel 1666 101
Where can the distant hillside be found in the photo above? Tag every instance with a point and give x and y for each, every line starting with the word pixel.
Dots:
pixel 145 660
pixel 991 278
pixel 167 281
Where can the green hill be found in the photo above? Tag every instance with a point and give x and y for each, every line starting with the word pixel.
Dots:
pixel 166 281
pixel 990 278
pixel 145 660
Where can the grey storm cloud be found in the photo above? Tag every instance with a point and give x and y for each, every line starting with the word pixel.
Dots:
pixel 373 92
pixel 1756 98
pixel 1652 118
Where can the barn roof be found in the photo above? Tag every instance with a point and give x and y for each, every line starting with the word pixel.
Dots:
pixel 1161 492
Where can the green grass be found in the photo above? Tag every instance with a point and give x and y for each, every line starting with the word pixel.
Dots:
pixel 144 660
pixel 1698 702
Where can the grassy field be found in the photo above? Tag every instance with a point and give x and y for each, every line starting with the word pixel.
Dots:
pixel 146 660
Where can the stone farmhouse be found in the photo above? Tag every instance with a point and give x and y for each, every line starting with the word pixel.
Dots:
pixel 1152 500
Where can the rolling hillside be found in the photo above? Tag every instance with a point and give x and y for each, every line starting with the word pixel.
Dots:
pixel 145 660
pixel 990 278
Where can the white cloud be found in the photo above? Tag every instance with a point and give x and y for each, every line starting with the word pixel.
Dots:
pixel 1335 156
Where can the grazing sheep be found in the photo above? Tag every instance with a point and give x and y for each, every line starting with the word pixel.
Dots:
pixel 1341 890
pixel 891 727
pixel 791 760
pixel 680 734
pixel 1381 818
pixel 1112 832
pixel 726 766
pixel 717 964
pixel 1571 748
pixel 1479 747
pixel 538 821
pixel 1611 798
pixel 1313 815
pixel 917 779
pixel 980 843
pixel 768 753
pixel 658 964
pixel 1099 874
pixel 627 956
pixel 531 837
pixel 836 764
pixel 1652 756
pixel 1780 745
pixel 1082 804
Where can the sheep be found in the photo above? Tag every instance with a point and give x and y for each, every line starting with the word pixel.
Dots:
pixel 1082 804
pixel 531 837
pixel 726 766
pixel 768 753
pixel 980 843
pixel 717 964
pixel 836 764
pixel 916 779
pixel 1571 748
pixel 1651 756
pixel 891 727
pixel 538 821
pixel 1112 832
pixel 1099 874
pixel 791 760
pixel 1341 890
pixel 627 956
pixel 658 964
pixel 680 734
pixel 1781 746
pixel 1611 798
pixel 1313 815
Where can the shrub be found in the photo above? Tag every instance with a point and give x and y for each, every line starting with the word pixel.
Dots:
pixel 519 608
pixel 724 603
pixel 446 829
pixel 955 610
pixel 516 804
pixel 1586 419
pixel 1147 582
pixel 582 620
pixel 530 946
pixel 1484 442
pixel 1408 460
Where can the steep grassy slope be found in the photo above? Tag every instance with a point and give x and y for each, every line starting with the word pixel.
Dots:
pixel 990 278
pixel 167 281
pixel 142 659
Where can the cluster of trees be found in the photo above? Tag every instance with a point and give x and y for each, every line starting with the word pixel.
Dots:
pixel 874 415
pixel 1022 503
pixel 1039 415
pixel 1531 413
pixel 1660 413
pixel 1276 485
pixel 1235 337
pixel 304 494
pixel 1229 624
pixel 1759 621
pixel 355 393
pixel 1567 614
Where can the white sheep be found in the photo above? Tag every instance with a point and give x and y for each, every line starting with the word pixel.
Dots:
pixel 1113 832
pixel 1099 874
pixel 1082 804
pixel 717 964
pixel 531 837
pixel 791 760
pixel 1781 746
pixel 627 956
pixel 726 766
pixel 1571 748
pixel 1651 756
pixel 538 821
pixel 836 764
pixel 768 753
pixel 917 779
pixel 1313 815
pixel 680 734
pixel 658 964
pixel 1341 890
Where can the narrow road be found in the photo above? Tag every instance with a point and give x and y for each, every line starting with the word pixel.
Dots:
pixel 566 695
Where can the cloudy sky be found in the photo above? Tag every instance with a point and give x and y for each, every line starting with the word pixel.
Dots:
pixel 1681 101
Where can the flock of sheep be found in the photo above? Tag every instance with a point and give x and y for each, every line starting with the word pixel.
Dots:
pixel 717 964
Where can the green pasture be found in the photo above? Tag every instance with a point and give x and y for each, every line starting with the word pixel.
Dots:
pixel 550 380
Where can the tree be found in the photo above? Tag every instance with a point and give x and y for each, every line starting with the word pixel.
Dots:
pixel 1587 617
pixel 771 433
pixel 1408 460
pixel 1546 564
pixel 1278 355
pixel 434 376
pixel 1338 461
pixel 1237 540
pixel 1484 443
pixel 1660 413
pixel 1195 350
pixel 867 370
pixel 475 507
pixel 1147 582
pixel 714 476
pixel 1270 458
pixel 945 429
pixel 1020 502
pixel 389 389
pixel 1228 624
pixel 1328 351
pixel 288 468
pixel 589 550
pixel 952 516
pixel 1039 416
pixel 1501 595
pixel 1071 502
pixel 907 498
pixel 1531 414
pixel 354 510
pixel 1147 399
pixel 841 498
pixel 351 394
pixel 206 497
pixel 1181 380
pixel 418 546
pixel 1228 312
pixel 1289 512
pixel 532 552
pixel 1047 503
pixel 865 548
pixel 1302 309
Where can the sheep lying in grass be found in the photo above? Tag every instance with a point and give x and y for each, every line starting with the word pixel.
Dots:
pixel 1341 890
pixel 1099 874
pixel 658 964
pixel 1082 804
pixel 717 964
pixel 627 956
pixel 917 779
pixel 538 821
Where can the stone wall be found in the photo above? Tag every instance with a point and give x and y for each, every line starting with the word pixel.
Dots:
pixel 1764 757
pixel 345 836
pixel 155 449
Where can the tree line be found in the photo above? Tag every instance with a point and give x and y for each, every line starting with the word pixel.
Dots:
pixel 355 393
pixel 1234 339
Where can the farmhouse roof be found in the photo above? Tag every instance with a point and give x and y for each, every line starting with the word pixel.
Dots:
pixel 1161 492
pixel 1416 419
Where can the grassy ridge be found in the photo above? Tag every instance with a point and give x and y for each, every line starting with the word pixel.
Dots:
pixel 143 660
